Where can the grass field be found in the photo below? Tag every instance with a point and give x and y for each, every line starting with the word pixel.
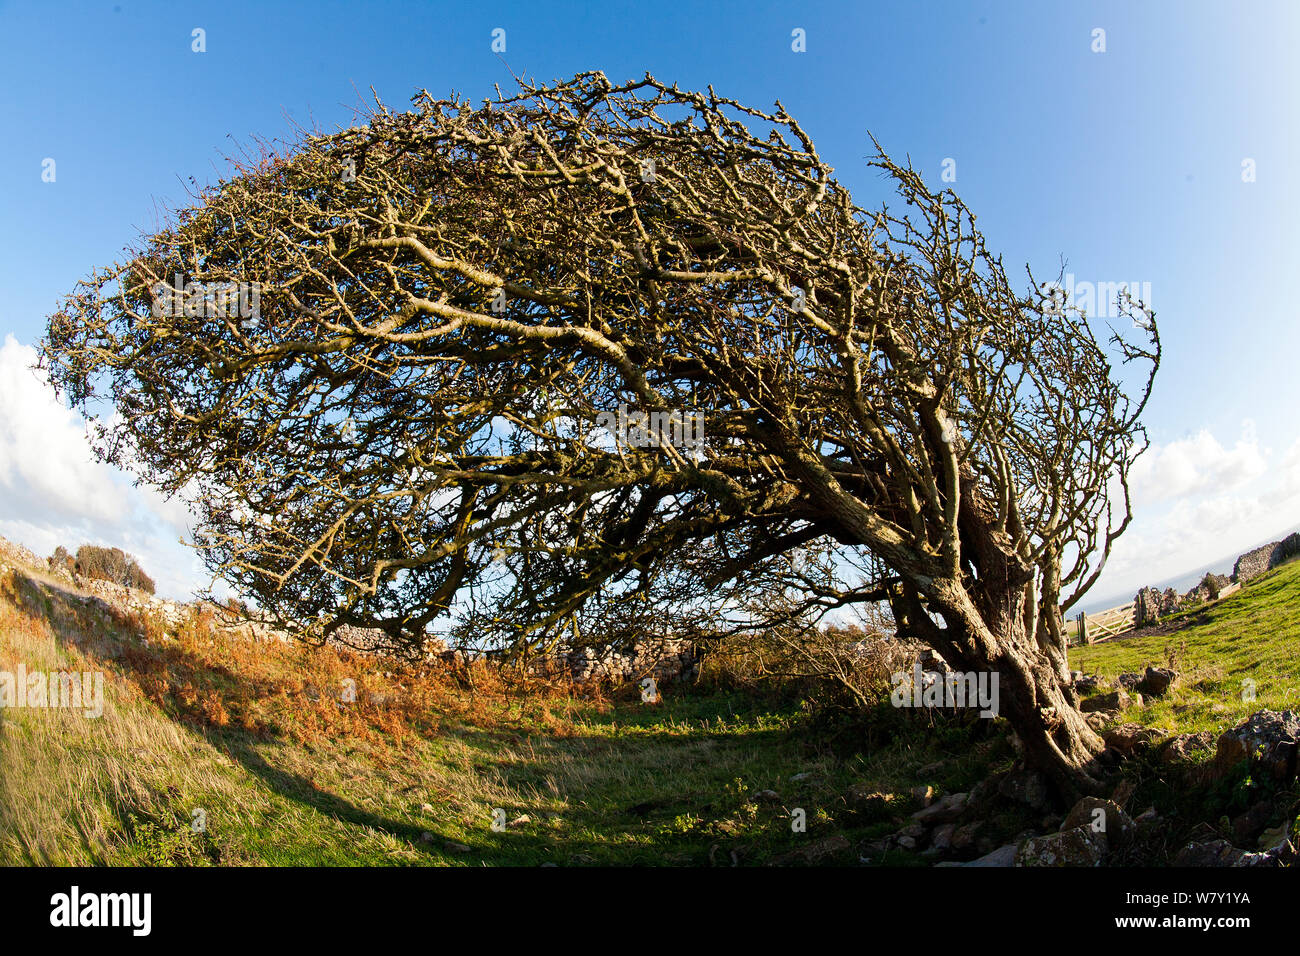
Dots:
pixel 1236 657
pixel 246 740
pixel 220 751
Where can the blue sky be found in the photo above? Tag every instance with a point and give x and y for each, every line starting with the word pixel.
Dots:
pixel 1127 163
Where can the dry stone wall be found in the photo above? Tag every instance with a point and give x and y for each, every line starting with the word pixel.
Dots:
pixel 663 658
pixel 1254 563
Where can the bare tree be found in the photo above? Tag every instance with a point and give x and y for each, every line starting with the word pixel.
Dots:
pixel 381 361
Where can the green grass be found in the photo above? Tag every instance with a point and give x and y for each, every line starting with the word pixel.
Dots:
pixel 284 780
pixel 1235 657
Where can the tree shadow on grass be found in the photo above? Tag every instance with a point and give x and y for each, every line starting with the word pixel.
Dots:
pixel 179 679
pixel 107 636
pixel 305 792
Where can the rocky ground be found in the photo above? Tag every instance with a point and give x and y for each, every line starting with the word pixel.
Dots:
pixel 959 829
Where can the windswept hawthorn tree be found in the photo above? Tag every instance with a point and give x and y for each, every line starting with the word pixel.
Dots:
pixel 448 299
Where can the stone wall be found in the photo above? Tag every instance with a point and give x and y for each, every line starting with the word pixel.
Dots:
pixel 664 659
pixel 130 600
pixel 1287 548
pixel 1254 563
pixel 15 555
pixel 372 640
pixel 1149 605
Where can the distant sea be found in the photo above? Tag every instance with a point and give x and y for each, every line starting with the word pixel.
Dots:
pixel 1181 584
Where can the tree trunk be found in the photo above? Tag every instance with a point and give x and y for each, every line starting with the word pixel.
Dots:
pixel 1034 694
pixel 988 627
pixel 1044 713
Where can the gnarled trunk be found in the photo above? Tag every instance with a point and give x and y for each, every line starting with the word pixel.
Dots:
pixel 1044 712
pixel 1034 692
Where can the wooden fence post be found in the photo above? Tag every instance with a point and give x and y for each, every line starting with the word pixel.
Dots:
pixel 1083 628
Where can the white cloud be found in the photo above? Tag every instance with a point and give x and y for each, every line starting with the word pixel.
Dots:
pixel 1197 464
pixel 54 492
pixel 1288 488
pixel 43 449
pixel 1197 502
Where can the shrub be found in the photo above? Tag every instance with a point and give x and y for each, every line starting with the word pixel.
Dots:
pixel 1215 583
pixel 111 564
pixel 60 560
pixel 836 667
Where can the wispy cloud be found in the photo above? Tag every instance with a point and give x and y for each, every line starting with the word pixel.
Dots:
pixel 1196 465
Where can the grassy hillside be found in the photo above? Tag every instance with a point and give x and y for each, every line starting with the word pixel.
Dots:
pixel 258 743
pixel 411 772
pixel 1251 636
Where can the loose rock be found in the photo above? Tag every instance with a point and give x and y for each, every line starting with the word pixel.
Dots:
pixel 1157 681
pixel 1093 812
pixel 1077 847
pixel 1002 856
pixel 1181 746
pixel 942 837
pixel 1129 739
pixel 1115 700
pixel 1268 739
pixel 944 810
